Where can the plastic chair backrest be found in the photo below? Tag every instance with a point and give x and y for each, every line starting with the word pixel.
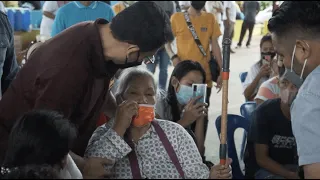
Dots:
pixel 234 122
pixel 243 76
pixel 247 108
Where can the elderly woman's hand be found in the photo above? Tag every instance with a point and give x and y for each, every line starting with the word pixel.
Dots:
pixel 125 111
pixel 221 171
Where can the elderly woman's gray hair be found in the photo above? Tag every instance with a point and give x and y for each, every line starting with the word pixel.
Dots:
pixel 128 75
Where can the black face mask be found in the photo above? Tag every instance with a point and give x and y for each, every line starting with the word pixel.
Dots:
pixel 271 54
pixel 112 65
pixel 198 5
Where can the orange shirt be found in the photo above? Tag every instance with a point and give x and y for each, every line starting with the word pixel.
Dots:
pixel 207 28
pixel 117 8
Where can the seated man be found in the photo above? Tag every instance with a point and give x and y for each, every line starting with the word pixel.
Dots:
pixel 271 151
pixel 142 146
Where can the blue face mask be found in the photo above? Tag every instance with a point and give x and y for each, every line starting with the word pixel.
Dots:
pixel 184 95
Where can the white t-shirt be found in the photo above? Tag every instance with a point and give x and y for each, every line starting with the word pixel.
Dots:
pixel 209 8
pixel 46 23
pixel 232 10
pixel 252 74
pixel 71 171
pixel 2 7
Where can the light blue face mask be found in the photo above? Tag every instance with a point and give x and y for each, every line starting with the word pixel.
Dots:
pixel 184 95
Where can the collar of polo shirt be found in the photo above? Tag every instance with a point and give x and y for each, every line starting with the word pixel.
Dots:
pixel 93 4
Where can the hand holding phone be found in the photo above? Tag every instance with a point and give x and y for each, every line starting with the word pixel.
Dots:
pixel 200 90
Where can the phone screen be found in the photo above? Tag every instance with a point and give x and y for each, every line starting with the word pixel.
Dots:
pixel 200 90
pixel 266 59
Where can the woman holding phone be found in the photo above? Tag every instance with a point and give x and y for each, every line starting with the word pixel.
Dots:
pixel 260 71
pixel 179 105
pixel 143 147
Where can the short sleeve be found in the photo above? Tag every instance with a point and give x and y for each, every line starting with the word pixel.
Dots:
pixel 252 74
pixel 258 128
pixel 208 6
pixel 173 23
pixel 268 90
pixel 50 6
pixel 227 4
pixel 215 28
pixel 59 23
pixel 2 7
pixel 110 14
pixel 306 125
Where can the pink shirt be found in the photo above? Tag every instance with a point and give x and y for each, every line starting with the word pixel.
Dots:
pixel 269 89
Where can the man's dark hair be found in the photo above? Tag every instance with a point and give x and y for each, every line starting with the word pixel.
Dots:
pixel 144 24
pixel 32 172
pixel 39 137
pixel 265 39
pixel 298 18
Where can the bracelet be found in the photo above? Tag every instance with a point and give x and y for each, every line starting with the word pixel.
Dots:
pixel 174 56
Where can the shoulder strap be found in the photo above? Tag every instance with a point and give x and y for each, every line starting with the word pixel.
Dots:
pixel 194 34
pixel 134 165
pixel 167 145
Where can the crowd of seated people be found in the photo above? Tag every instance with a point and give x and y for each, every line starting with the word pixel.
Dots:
pixel 158 134
pixel 139 144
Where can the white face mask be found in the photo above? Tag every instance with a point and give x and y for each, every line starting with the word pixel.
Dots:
pixel 292 76
pixel 304 64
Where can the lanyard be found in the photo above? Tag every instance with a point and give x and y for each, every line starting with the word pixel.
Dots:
pixel 134 165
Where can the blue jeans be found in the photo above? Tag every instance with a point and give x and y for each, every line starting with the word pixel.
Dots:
pixel 163 60
pixel 264 174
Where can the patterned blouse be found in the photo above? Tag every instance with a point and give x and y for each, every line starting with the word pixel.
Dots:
pixel 154 162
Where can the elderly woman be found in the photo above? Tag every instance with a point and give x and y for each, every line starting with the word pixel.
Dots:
pixel 141 146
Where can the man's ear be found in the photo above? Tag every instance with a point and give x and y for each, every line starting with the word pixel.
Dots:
pixel 132 49
pixel 303 50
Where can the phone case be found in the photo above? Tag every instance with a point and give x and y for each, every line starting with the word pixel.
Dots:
pixel 200 90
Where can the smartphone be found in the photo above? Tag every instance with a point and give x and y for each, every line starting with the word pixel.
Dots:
pixel 200 90
pixel 266 59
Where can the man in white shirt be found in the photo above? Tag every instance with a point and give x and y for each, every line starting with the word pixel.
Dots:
pixel 2 7
pixel 229 19
pixel 216 8
pixel 184 5
pixel 49 9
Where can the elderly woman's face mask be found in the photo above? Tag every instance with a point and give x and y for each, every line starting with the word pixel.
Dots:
pixel 142 90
